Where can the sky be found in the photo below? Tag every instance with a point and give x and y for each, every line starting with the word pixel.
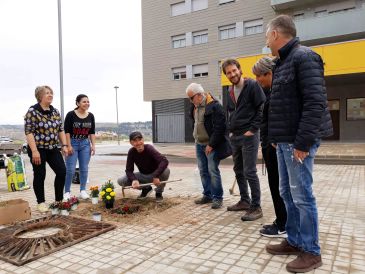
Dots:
pixel 102 48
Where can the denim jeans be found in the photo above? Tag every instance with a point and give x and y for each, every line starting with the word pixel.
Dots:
pixel 209 173
pixel 296 190
pixel 82 152
pixel 145 179
pixel 244 153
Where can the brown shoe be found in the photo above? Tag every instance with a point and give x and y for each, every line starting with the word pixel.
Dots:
pixel 252 214
pixel 305 262
pixel 241 205
pixel 284 248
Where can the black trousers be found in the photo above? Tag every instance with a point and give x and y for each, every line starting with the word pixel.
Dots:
pixel 271 162
pixel 55 160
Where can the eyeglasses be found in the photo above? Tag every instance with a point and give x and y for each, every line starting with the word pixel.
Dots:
pixel 192 97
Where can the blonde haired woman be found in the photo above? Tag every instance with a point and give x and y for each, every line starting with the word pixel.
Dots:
pixel 44 132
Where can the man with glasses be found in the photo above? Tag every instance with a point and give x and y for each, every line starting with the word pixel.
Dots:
pixel 211 142
pixel 245 105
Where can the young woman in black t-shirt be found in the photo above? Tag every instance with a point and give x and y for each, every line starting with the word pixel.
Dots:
pixel 80 136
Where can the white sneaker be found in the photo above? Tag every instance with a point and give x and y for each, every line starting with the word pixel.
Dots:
pixel 84 195
pixel 42 207
pixel 67 196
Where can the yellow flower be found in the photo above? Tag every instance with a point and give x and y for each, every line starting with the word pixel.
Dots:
pixel 102 193
pixel 108 197
pixel 109 189
pixel 112 193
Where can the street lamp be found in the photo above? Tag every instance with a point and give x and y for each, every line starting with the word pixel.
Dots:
pixel 116 102
pixel 60 58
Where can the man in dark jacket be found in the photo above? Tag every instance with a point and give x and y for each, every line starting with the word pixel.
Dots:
pixel 298 119
pixel 245 105
pixel 211 143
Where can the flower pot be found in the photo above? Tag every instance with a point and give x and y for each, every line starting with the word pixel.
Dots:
pixel 55 211
pixel 109 205
pixel 94 200
pixel 65 212
pixel 74 207
pixel 97 216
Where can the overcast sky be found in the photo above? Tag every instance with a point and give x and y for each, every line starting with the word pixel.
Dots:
pixel 102 47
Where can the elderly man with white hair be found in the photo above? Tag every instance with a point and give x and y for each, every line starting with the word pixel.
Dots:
pixel 211 142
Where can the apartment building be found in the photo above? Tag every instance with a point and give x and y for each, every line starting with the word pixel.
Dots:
pixel 185 41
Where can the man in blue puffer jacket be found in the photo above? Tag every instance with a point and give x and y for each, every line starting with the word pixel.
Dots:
pixel 298 119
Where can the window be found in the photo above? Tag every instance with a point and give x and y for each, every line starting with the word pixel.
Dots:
pixel 320 13
pixel 355 109
pixel 200 70
pixel 199 5
pixel 341 10
pixel 179 73
pixel 225 1
pixel 227 32
pixel 200 37
pixel 254 27
pixel 298 16
pixel 178 41
pixel 178 8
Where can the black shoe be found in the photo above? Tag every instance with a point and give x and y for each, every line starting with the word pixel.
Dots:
pixel 272 231
pixel 252 214
pixel 159 197
pixel 217 204
pixel 266 226
pixel 145 192
pixel 203 200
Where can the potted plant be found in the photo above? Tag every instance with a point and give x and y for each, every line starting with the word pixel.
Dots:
pixel 97 216
pixel 94 194
pixel 107 194
pixel 74 201
pixel 54 207
pixel 65 208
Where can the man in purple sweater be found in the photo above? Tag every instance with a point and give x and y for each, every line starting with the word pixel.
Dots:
pixel 151 164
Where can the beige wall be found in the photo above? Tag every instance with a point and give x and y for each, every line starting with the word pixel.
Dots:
pixel 159 57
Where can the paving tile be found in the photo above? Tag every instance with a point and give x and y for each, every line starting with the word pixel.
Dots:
pixel 219 242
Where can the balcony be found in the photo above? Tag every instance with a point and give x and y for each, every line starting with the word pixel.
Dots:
pixel 349 23
pixel 278 5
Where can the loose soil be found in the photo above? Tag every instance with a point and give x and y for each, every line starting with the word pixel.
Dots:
pixel 140 211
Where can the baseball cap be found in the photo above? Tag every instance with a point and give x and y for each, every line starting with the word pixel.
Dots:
pixel 134 135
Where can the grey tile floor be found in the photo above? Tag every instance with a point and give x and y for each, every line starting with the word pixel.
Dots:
pixel 196 239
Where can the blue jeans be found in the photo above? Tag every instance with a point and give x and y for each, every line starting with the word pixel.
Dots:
pixel 82 152
pixel 244 154
pixel 209 173
pixel 296 190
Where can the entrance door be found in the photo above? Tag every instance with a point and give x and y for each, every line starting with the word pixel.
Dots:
pixel 170 128
pixel 334 107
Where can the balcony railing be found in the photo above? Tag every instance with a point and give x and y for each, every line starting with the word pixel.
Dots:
pixel 331 25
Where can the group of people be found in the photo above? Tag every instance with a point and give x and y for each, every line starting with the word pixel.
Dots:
pixel 45 132
pixel 285 107
pixel 48 138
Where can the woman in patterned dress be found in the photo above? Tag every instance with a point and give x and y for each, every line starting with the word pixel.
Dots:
pixel 44 131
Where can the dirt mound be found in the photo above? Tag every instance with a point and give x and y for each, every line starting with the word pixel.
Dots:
pixel 132 210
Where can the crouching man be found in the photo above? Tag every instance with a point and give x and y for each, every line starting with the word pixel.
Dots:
pixel 151 164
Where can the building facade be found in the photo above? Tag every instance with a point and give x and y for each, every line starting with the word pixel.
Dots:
pixel 185 41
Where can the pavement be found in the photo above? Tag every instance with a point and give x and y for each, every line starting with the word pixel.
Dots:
pixel 328 152
pixel 188 238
